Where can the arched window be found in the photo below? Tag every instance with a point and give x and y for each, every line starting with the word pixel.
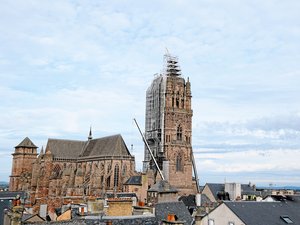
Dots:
pixel 56 168
pixel 179 133
pixel 179 166
pixel 108 182
pixel 177 102
pixel 116 175
pixel 124 170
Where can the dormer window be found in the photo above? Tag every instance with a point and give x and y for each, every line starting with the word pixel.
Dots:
pixel 286 219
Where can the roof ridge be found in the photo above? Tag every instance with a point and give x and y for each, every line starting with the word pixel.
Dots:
pixel 109 136
pixel 57 139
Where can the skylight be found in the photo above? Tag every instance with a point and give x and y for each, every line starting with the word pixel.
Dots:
pixel 286 219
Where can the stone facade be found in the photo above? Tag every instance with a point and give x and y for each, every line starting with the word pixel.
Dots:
pixel 169 127
pixel 71 171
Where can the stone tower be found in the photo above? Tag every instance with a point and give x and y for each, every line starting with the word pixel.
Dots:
pixel 24 156
pixel 169 126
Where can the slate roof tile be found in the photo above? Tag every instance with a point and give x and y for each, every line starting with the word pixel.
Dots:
pixel 26 143
pixel 178 208
pixel 134 180
pixel 162 186
pixel 253 213
pixel 72 149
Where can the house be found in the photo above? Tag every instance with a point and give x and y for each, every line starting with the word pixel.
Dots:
pixel 253 213
pixel 230 191
pixel 7 199
pixel 137 184
pixel 190 203
pixel 180 213
pixel 162 191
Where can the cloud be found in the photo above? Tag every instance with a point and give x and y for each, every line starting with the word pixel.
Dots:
pixel 67 65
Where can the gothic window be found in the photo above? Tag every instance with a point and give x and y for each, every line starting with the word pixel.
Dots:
pixel 182 103
pixel 179 163
pixel 177 102
pixel 56 171
pixel 116 176
pixel 124 170
pixel 179 133
pixel 108 182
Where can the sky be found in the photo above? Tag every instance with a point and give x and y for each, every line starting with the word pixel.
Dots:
pixel 69 65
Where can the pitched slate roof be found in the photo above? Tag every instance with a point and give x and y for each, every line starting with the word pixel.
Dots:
pixel 36 217
pixel 71 149
pixel 106 146
pixel 162 186
pixel 190 200
pixel 178 208
pixel 253 213
pixel 247 189
pixel 65 148
pixel 134 180
pixel 121 195
pixel 122 220
pixel 27 143
pixel 11 194
pixel 215 189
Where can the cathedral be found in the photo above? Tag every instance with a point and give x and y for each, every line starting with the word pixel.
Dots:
pixel 70 170
pixel 74 171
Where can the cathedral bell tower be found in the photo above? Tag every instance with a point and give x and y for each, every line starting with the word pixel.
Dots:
pixel 23 157
pixel 169 126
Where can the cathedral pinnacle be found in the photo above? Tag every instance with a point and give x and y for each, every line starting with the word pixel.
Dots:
pixel 90 137
pixel 42 151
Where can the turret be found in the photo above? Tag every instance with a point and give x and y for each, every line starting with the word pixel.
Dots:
pixel 23 158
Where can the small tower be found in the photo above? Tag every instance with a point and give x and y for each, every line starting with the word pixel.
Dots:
pixel 23 157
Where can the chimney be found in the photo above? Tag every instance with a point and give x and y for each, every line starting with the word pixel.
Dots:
pixel 171 217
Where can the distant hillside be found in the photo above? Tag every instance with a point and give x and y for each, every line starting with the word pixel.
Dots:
pixel 3 183
pixel 295 188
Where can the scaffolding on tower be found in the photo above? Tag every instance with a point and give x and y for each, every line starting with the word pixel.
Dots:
pixel 171 65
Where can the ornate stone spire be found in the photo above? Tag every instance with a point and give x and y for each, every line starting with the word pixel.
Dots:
pixel 90 137
pixel 188 88
pixel 42 151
